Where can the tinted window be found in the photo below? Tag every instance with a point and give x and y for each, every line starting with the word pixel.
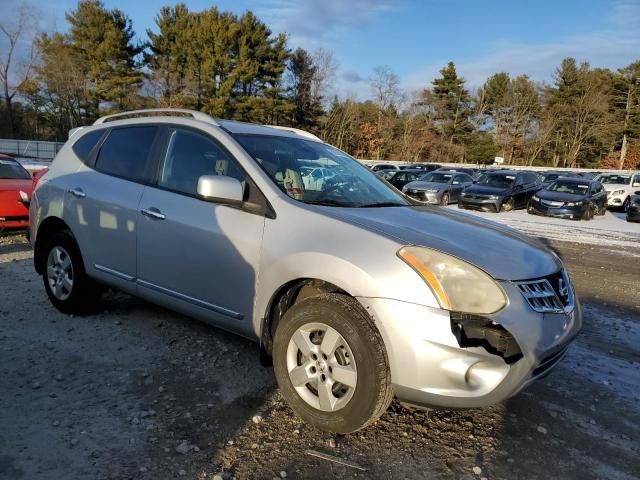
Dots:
pixel 531 178
pixel 189 156
pixel 125 151
pixel 85 144
pixel 12 170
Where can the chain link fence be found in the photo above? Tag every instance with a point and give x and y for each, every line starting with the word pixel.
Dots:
pixel 35 149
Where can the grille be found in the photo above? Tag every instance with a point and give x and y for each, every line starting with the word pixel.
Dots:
pixel 549 294
pixel 475 197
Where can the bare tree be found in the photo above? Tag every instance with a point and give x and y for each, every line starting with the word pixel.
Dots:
pixel 325 74
pixel 385 87
pixel 17 55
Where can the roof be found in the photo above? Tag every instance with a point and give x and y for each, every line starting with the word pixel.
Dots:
pixel 576 179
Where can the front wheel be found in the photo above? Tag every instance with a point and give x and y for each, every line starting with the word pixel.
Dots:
pixel 444 200
pixel 331 364
pixel 507 205
pixel 67 284
pixel 625 205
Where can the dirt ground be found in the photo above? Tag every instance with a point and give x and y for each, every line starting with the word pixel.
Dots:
pixel 135 391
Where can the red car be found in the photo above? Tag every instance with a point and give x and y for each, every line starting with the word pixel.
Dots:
pixel 16 186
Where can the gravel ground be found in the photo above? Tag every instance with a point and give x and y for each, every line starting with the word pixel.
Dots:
pixel 135 391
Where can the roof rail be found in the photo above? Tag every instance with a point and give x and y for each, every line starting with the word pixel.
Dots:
pixel 303 133
pixel 193 113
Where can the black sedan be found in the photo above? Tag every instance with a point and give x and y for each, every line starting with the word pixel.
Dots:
pixel 633 211
pixel 501 190
pixel 548 177
pixel 399 178
pixel 570 197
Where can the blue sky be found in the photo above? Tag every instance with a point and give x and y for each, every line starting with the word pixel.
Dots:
pixel 416 38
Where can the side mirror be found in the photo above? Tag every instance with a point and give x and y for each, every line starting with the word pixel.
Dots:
pixel 518 187
pixel 220 189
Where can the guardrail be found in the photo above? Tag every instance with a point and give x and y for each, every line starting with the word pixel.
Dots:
pixel 36 149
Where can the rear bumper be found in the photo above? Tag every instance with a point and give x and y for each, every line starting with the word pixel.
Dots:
pixel 430 369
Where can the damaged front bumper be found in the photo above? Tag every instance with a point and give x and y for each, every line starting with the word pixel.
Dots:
pixel 443 359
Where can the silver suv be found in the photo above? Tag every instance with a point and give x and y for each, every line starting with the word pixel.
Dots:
pixel 354 291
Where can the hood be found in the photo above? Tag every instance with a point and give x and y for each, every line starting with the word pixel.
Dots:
pixel 503 252
pixel 560 196
pixel 486 190
pixel 420 185
pixel 15 185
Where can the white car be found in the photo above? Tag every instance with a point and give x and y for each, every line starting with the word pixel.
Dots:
pixel 620 187
pixel 315 178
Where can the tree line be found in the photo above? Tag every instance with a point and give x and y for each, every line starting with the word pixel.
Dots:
pixel 233 66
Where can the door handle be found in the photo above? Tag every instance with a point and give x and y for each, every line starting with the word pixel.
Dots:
pixel 77 192
pixel 153 213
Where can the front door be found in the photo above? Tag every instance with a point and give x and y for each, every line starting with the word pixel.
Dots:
pixel 193 255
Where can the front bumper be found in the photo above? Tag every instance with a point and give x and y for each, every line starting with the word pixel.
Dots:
pixel 474 202
pixel 616 201
pixel 430 369
pixel 423 196
pixel 573 213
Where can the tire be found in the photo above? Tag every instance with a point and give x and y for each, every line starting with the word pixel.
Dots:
pixel 360 349
pixel 507 205
pixel 588 214
pixel 444 200
pixel 68 286
pixel 602 210
pixel 625 205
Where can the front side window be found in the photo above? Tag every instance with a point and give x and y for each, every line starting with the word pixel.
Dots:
pixel 191 155
pixel 289 162
pixel 125 152
pixel 12 170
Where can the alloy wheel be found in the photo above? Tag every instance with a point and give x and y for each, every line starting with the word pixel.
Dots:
pixel 60 273
pixel 321 367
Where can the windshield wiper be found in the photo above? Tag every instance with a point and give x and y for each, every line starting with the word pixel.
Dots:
pixel 382 204
pixel 326 203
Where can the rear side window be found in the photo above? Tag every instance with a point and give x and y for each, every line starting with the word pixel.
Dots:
pixel 125 151
pixel 85 144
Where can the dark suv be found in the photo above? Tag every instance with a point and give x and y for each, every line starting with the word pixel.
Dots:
pixel 502 190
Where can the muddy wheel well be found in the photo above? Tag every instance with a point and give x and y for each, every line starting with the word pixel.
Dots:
pixel 286 297
pixel 48 227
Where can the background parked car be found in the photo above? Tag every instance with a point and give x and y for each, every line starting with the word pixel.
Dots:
pixel 501 190
pixel 633 212
pixel 438 187
pixel 620 187
pixel 399 178
pixel 468 171
pixel 547 178
pixel 425 167
pixel 15 192
pixel 384 166
pixel 570 197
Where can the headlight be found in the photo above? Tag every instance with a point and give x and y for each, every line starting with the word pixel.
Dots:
pixel 617 192
pixel 23 196
pixel 572 204
pixel 431 190
pixel 456 284
pixel 494 197
pixel 536 198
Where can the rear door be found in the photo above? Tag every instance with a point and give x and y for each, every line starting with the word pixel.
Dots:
pixel 196 256
pixel 101 204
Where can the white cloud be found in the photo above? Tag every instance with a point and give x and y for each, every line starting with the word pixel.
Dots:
pixel 615 45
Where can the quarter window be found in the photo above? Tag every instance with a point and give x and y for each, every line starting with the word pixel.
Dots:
pixel 189 156
pixel 125 152
pixel 85 144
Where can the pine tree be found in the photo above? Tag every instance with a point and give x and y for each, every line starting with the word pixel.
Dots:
pixel 104 41
pixel 452 105
pixel 307 108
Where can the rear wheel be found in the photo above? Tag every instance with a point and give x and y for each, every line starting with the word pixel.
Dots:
pixel 331 364
pixel 68 286
pixel 444 200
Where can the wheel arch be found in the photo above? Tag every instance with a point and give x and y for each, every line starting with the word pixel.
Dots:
pixel 282 300
pixel 47 228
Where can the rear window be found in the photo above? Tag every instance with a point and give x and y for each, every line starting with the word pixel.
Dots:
pixel 12 170
pixel 125 151
pixel 85 144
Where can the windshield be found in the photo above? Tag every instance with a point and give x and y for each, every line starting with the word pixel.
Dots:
pixel 316 173
pixel 614 179
pixel 499 180
pixel 12 170
pixel 437 177
pixel 569 187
